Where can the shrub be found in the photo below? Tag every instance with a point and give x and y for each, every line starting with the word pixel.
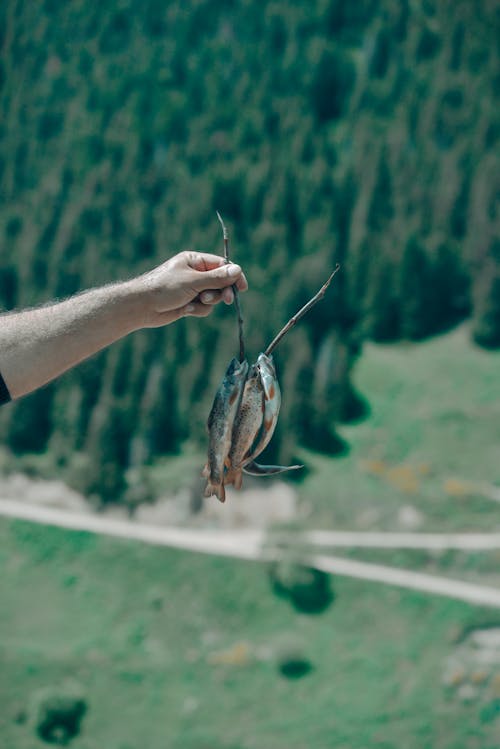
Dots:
pixel 307 588
pixel 293 664
pixel 57 714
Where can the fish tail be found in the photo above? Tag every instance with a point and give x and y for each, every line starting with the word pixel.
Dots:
pixel 217 489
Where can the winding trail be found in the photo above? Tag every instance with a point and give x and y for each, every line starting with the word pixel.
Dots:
pixel 261 546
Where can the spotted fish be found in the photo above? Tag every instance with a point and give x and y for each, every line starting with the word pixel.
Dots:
pixel 220 426
pixel 255 423
pixel 272 404
pixel 247 426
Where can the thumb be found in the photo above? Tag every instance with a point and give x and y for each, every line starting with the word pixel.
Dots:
pixel 217 278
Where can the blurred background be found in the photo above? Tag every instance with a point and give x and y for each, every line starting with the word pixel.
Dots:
pixel 364 133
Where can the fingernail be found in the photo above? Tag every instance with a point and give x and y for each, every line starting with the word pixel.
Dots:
pixel 208 296
pixel 234 270
pixel 190 308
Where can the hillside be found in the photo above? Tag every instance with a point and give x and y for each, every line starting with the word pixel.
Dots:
pixel 188 651
pixel 323 131
pixel 430 442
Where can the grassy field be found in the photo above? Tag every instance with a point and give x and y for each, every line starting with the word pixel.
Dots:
pixel 182 651
pixel 431 441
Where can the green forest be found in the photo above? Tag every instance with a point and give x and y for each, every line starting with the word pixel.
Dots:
pixel 361 133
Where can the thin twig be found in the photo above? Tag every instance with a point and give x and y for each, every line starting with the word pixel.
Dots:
pixel 235 290
pixel 300 313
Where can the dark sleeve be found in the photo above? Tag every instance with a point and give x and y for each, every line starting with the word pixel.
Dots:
pixel 4 392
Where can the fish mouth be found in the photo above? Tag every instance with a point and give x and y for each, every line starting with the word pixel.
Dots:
pixel 253 372
pixel 234 366
pixel 237 370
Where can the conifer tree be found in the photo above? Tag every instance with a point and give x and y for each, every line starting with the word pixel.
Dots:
pixel 416 292
pixel 486 323
pixel 381 209
pixel 382 320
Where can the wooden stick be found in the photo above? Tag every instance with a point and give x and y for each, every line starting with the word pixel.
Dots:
pixel 235 290
pixel 299 314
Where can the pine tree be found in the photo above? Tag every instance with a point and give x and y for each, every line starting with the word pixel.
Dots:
pixel 451 287
pixel 416 292
pixel 382 320
pixel 30 421
pixel 381 209
pixel 332 85
pixel 486 323
pixel 108 452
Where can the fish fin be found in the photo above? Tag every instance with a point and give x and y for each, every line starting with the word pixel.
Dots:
pixel 233 476
pixel 254 469
pixel 217 489
pixel 238 479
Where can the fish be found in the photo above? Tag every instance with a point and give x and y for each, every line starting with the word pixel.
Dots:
pixel 220 426
pixel 272 401
pixel 255 423
pixel 246 407
pixel 247 426
pixel 272 405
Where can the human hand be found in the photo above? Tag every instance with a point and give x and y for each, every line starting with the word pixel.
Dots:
pixel 188 284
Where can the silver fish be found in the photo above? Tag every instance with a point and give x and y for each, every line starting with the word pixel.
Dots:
pixel 246 407
pixel 255 423
pixel 220 426
pixel 247 426
pixel 272 404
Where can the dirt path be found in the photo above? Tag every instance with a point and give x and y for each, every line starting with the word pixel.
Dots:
pixel 388 540
pixel 260 546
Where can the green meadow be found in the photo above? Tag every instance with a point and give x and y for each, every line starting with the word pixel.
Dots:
pixel 431 440
pixel 174 650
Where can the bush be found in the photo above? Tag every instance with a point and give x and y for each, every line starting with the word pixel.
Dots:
pixel 58 713
pixel 307 588
pixel 293 664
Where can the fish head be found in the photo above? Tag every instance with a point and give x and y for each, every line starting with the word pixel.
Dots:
pixel 229 394
pixel 266 365
pixel 269 379
pixel 272 400
pixel 234 381
pixel 237 370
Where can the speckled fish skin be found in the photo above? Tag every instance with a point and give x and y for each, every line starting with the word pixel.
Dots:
pixel 220 426
pixel 247 426
pixel 272 404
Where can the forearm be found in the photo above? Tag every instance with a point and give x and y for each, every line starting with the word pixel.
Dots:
pixel 39 344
